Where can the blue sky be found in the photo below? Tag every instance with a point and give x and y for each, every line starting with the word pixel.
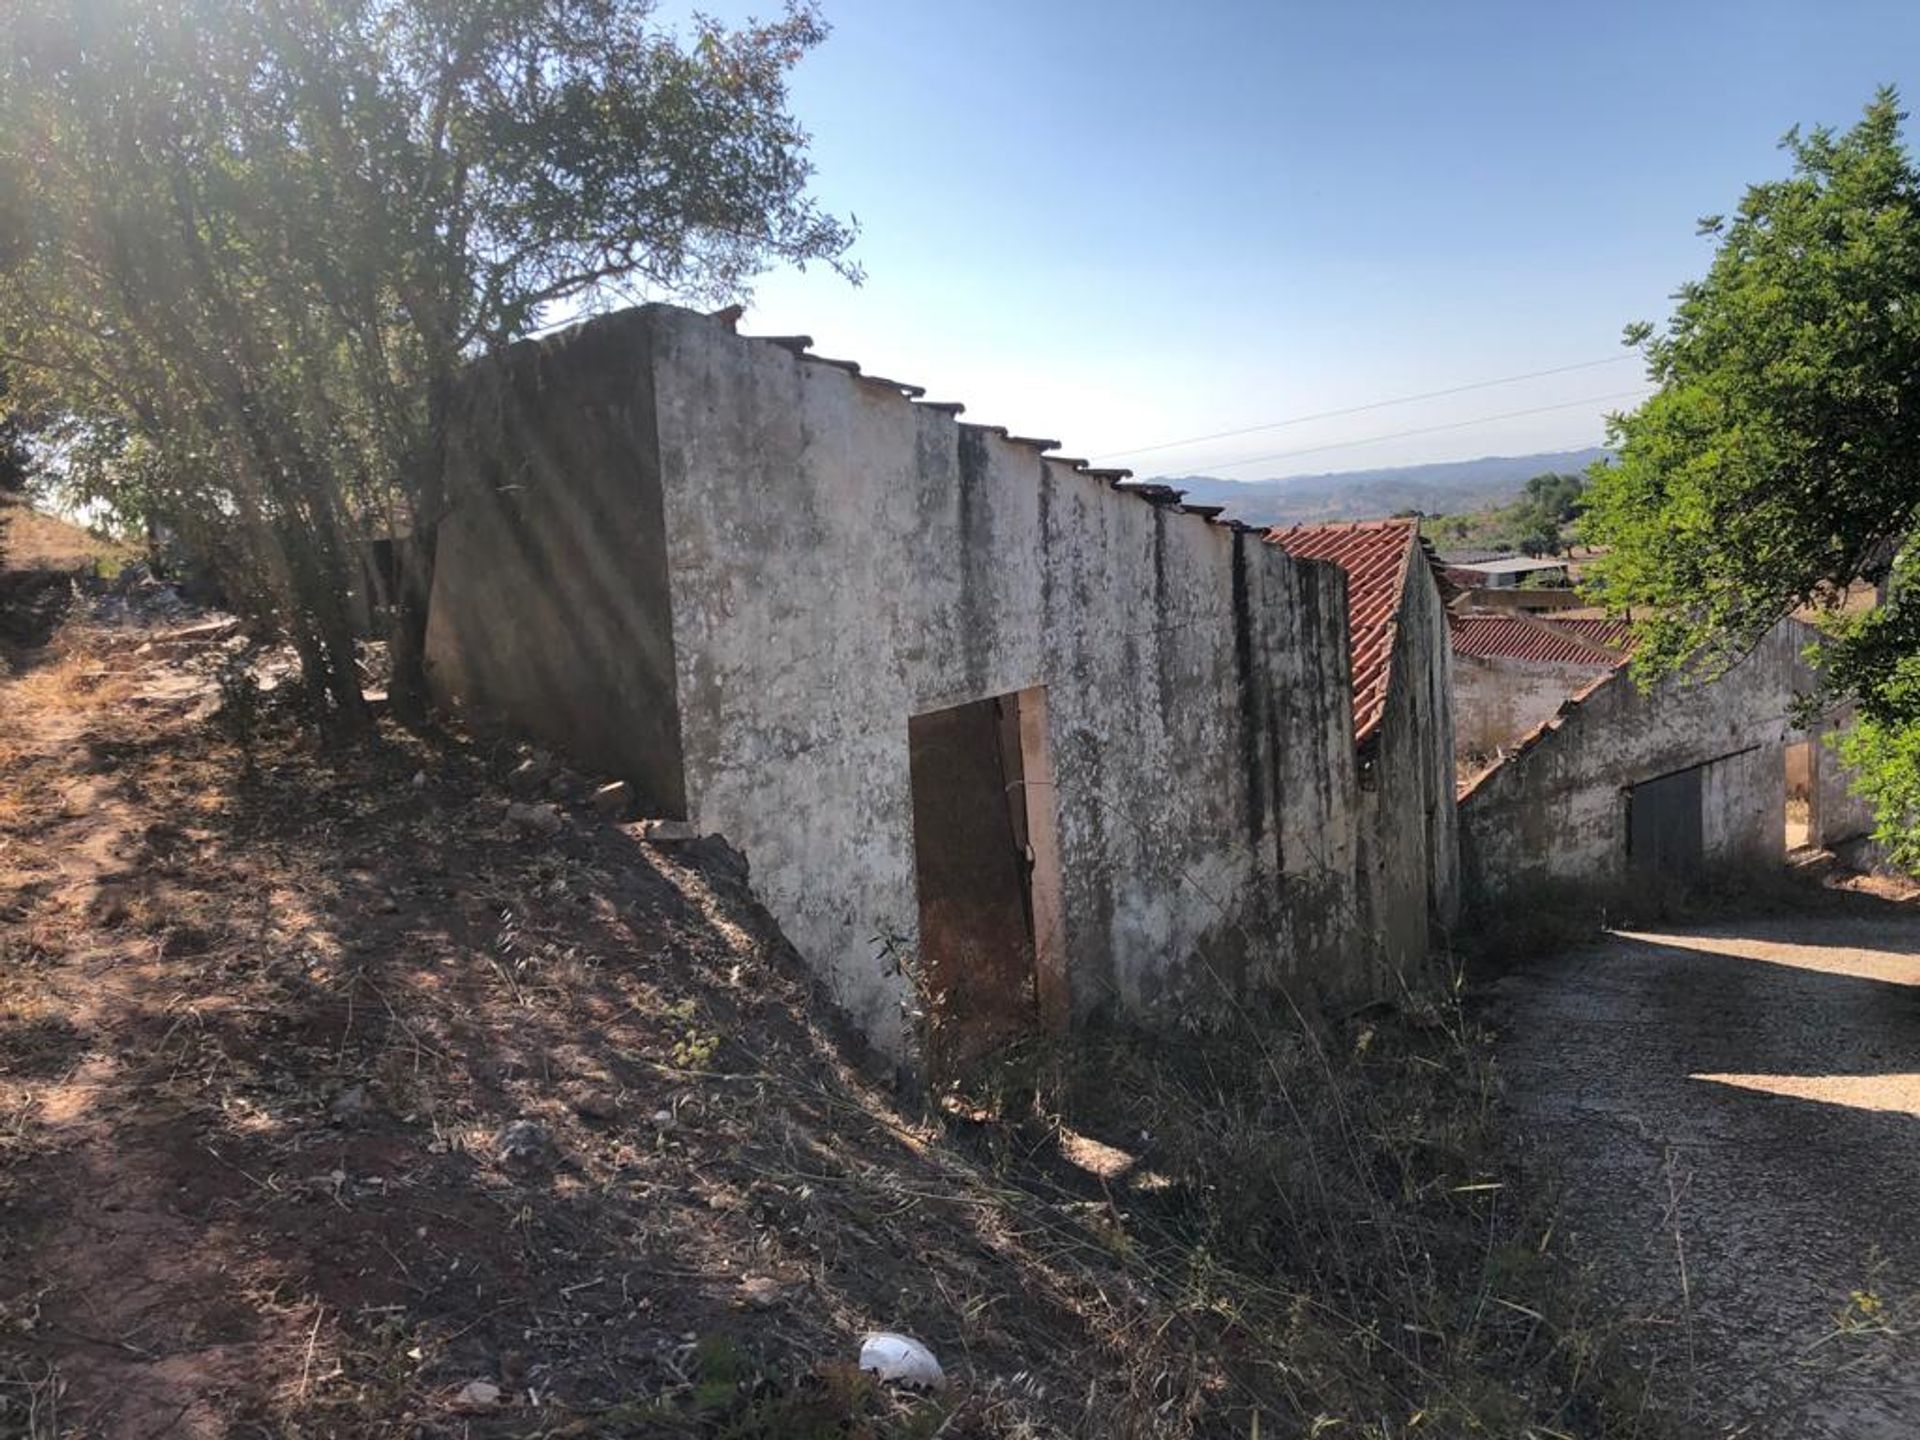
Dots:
pixel 1122 223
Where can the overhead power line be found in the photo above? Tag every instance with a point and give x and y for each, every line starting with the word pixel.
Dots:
pixel 1431 429
pixel 1363 409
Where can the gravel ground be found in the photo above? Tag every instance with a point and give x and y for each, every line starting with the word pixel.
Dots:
pixel 1734 1113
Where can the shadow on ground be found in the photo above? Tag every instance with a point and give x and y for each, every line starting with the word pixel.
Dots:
pixel 1733 1109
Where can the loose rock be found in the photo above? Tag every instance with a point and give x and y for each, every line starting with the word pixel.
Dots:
pixel 351 1106
pixel 758 1292
pixel 530 776
pixel 534 819
pixel 596 1105
pixel 525 1145
pixel 477 1395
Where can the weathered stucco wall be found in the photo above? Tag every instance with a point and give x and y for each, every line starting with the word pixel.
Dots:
pixel 841 559
pixel 549 603
pixel 1557 811
pixel 1410 860
pixel 832 559
pixel 1496 701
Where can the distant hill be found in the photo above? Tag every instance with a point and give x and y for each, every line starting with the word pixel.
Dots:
pixel 1367 494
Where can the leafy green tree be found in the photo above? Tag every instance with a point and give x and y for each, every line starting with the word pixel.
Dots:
pixel 1780 458
pixel 248 248
pixel 1549 504
pixel 1777 460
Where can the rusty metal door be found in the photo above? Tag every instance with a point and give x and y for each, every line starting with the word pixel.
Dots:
pixel 1664 835
pixel 970 865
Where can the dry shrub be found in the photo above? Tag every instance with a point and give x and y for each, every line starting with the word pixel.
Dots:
pixel 75 674
pixel 1347 1247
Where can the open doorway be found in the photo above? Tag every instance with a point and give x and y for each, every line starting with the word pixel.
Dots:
pixel 1801 790
pixel 986 863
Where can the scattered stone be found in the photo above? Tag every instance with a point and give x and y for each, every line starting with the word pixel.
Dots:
pixel 666 831
pixel 534 819
pixel 530 776
pixel 596 1105
pixel 477 1395
pixel 664 1122
pixel 419 779
pixel 758 1292
pixel 351 1106
pixel 613 800
pixel 387 905
pixel 567 786
pixel 525 1145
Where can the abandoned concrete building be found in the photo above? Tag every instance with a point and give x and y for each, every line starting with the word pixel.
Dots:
pixel 990 726
pixel 1008 741
pixel 1403 728
pixel 1625 785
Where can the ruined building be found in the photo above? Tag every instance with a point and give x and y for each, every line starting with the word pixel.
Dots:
pixel 1624 786
pixel 1512 673
pixel 992 729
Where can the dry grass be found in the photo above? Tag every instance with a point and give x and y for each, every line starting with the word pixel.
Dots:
pixel 77 674
pixel 1341 1236
pixel 34 540
pixel 1304 1228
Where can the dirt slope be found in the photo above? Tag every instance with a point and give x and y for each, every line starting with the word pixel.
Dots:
pixel 325 1093
pixel 1734 1113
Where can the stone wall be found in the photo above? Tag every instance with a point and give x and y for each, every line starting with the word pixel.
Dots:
pixel 737 571
pixel 1557 811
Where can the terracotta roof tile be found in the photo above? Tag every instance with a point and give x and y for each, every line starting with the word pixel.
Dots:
pixel 1374 553
pixel 1610 634
pixel 1515 637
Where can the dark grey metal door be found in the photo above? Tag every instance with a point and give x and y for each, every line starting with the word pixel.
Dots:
pixel 1663 825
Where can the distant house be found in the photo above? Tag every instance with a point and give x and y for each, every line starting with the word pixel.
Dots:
pixel 1474 555
pixel 1507 572
pixel 1402 723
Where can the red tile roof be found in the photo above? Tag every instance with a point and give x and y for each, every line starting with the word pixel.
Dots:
pixel 1515 637
pixel 1374 553
pixel 1610 634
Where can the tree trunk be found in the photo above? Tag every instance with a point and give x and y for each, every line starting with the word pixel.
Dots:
pixel 407 638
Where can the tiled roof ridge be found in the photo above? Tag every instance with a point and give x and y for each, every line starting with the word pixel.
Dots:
pixel 1376 556
pixel 1608 633
pixel 1565 646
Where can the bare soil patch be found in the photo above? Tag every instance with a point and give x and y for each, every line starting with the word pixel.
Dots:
pixel 325 1094
pixel 337 1101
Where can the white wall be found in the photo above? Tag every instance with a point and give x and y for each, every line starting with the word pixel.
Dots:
pixel 841 559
